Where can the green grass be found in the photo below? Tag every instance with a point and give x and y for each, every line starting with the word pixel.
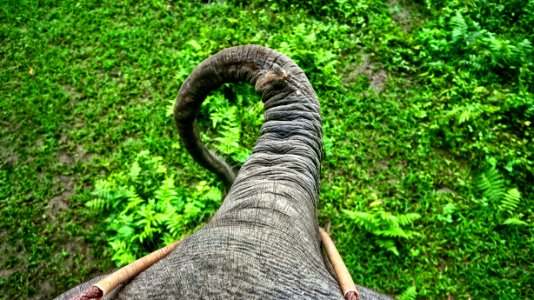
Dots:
pixel 427 110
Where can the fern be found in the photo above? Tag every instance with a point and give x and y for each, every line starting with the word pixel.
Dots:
pixel 98 204
pixel 395 232
pixel 385 225
pixel 106 196
pixel 389 245
pixel 491 184
pixel 167 191
pixel 123 253
pixel 388 218
pixel 363 219
pixel 227 122
pixel 510 201
pixel 467 112
pixel 133 202
pixel 144 209
pixel 408 219
pixel 459 31
pixel 409 294
pixel 515 221
pixel 175 224
pixel 135 170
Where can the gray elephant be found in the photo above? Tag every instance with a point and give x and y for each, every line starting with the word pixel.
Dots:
pixel 264 240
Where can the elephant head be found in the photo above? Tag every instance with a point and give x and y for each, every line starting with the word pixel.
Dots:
pixel 264 241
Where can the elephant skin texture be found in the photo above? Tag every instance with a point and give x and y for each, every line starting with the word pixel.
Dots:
pixel 263 242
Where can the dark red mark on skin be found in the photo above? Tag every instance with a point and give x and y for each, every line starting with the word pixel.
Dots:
pixel 352 295
pixel 90 293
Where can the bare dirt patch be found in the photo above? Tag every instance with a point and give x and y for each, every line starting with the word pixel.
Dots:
pixel 378 80
pixel 400 14
pixel 383 164
pixel 372 70
pixel 45 290
pixel 8 158
pixel 71 92
pixel 61 201
pixel 65 159
pixel 444 190
pixel 82 155
pixel 405 13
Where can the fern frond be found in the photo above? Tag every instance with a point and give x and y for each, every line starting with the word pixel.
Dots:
pixel 411 234
pixel 409 294
pixel 126 232
pixel 408 219
pixel 388 218
pixel 510 201
pixel 135 170
pixel 133 203
pixel 120 194
pixel 459 31
pixel 515 221
pixel 175 224
pixel 364 219
pixel 147 233
pixel 395 232
pixel 122 254
pixel 103 189
pixel 98 204
pixel 388 245
pixel 491 184
pixel 212 194
pixel 166 193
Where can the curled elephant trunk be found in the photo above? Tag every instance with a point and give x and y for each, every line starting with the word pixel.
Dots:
pixel 271 203
pixel 281 176
pixel 292 117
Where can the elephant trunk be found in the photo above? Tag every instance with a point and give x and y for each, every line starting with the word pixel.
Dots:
pixel 286 159
pixel 273 198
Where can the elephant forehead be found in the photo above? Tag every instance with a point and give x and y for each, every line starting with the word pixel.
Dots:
pixel 234 262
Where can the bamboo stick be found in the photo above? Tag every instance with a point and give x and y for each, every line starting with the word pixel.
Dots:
pixel 343 276
pixel 110 282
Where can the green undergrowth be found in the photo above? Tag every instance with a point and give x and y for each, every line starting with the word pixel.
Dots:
pixel 427 119
pixel 143 207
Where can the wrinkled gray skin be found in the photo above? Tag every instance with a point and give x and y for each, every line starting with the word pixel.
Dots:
pixel 264 240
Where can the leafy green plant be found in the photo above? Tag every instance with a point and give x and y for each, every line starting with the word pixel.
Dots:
pixel 409 294
pixel 143 208
pixel 228 120
pixel 385 225
pixel 492 186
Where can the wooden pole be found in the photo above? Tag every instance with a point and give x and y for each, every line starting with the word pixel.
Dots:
pixel 343 276
pixel 110 282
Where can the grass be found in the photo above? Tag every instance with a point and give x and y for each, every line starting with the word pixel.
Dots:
pixel 419 100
